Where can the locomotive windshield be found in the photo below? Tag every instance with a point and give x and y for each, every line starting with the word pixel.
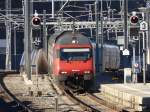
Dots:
pixel 75 54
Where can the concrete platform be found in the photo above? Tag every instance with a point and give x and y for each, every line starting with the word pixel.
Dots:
pixel 129 96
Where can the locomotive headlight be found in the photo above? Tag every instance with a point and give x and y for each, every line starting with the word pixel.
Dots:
pixel 63 72
pixel 87 72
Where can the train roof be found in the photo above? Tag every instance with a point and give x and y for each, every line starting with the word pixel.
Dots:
pixel 67 37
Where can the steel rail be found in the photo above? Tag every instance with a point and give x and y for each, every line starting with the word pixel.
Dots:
pixel 62 88
pixel 82 104
pixel 103 102
pixel 9 95
pixel 71 94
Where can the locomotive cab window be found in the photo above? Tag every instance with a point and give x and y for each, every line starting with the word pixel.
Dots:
pixel 75 54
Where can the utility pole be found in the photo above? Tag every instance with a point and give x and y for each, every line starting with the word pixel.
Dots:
pixel 97 35
pixel 144 53
pixel 53 8
pixel 101 32
pixel 134 77
pixel 127 69
pixel 31 29
pixel 144 49
pixel 125 24
pixel 27 30
pixel 90 18
pixel 144 27
pixel 108 13
pixel 140 52
pixel 121 8
pixel 8 35
pixel 96 19
pixel 148 32
pixel 15 50
pixel 44 32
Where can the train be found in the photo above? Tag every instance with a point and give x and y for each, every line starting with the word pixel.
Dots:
pixel 109 57
pixel 71 55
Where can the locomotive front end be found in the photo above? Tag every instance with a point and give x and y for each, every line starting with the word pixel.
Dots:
pixel 77 62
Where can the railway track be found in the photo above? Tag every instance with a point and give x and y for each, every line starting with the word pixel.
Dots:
pixel 15 105
pixel 82 100
pixel 87 101
pixel 103 103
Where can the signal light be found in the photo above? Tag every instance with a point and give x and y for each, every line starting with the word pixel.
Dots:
pixel 134 19
pixel 36 21
pixel 136 65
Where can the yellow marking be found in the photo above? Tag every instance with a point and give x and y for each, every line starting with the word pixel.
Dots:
pixel 115 78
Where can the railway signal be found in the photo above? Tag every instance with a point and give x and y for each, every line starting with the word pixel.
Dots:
pixel 134 25
pixel 134 19
pixel 36 21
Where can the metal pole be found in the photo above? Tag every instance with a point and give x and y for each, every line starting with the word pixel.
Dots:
pixel 108 38
pixel 96 19
pixel 140 52
pixel 31 29
pixel 125 23
pixel 144 51
pixel 101 64
pixel 90 18
pixel 44 32
pixel 147 37
pixel 108 13
pixel 8 35
pixel 121 8
pixel 147 49
pixel 97 35
pixel 53 8
pixel 56 104
pixel 101 23
pixel 133 64
pixel 27 38
pixel 15 46
pixel 37 71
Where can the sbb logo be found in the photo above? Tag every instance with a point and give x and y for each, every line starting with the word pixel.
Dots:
pixel 134 20
pixel 36 21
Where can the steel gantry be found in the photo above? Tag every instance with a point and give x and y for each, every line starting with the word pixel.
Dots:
pixel 114 26
pixel 67 0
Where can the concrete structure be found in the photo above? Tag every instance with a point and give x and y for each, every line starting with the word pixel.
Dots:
pixel 134 97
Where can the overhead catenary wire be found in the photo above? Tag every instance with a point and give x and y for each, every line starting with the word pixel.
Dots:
pixel 62 7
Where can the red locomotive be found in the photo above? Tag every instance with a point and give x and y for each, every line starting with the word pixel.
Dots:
pixel 70 55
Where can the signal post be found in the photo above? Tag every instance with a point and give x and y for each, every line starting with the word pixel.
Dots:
pixel 27 44
pixel 36 30
pixel 134 36
pixel 144 29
